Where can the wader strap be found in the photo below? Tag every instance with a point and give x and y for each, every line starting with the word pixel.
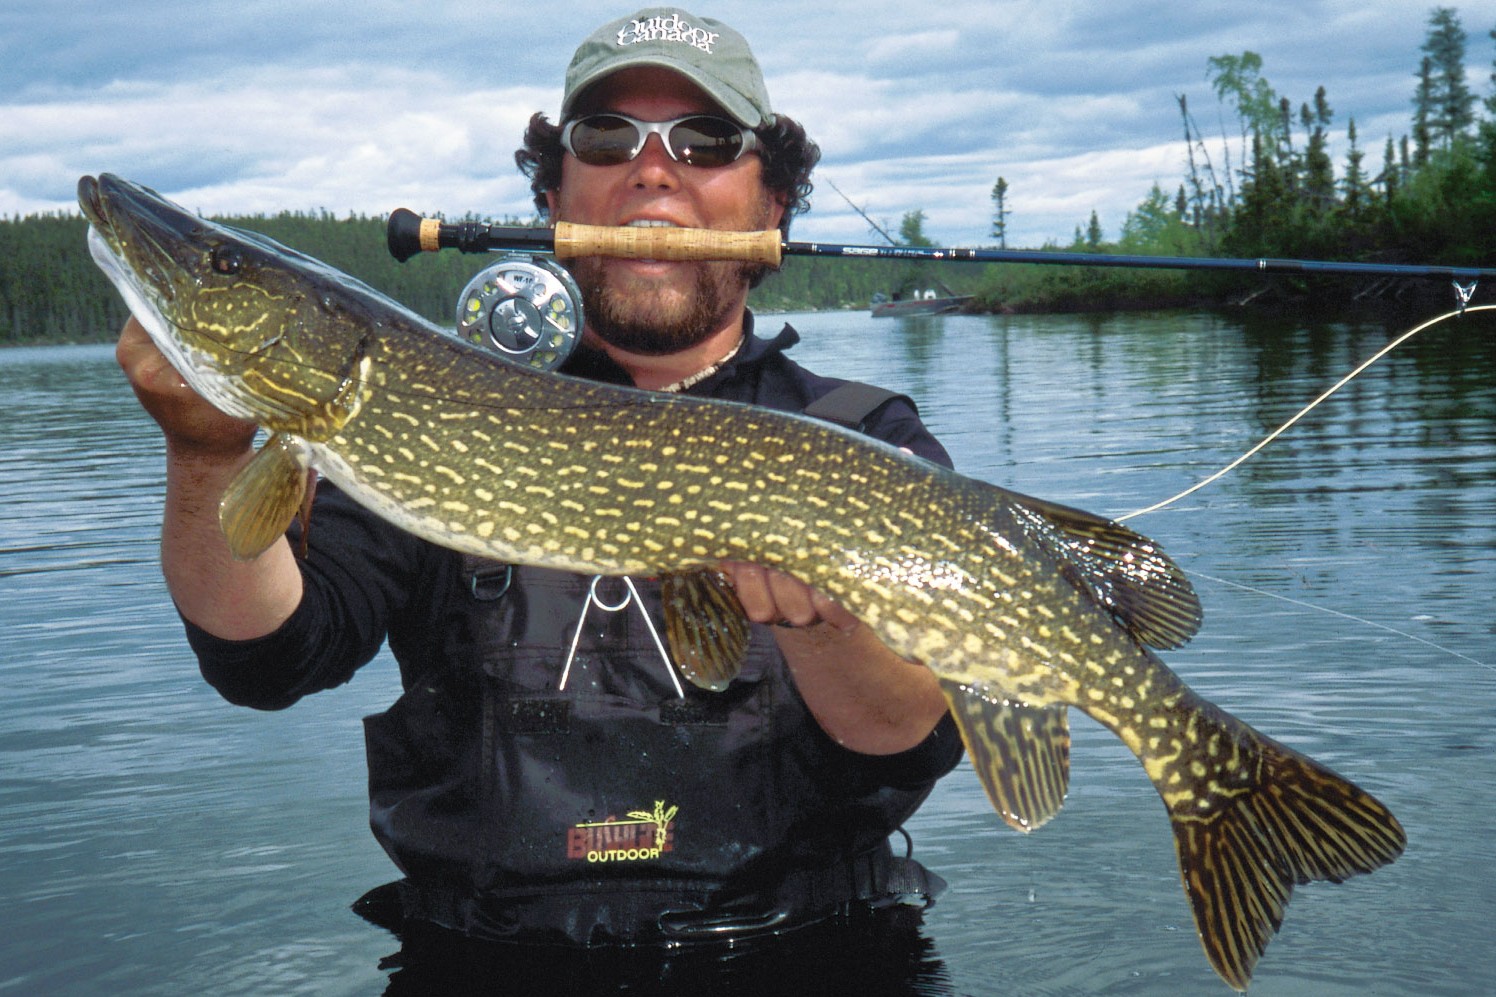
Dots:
pixel 851 404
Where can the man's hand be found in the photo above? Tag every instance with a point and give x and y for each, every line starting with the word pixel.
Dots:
pixel 862 694
pixel 770 596
pixel 204 451
pixel 192 426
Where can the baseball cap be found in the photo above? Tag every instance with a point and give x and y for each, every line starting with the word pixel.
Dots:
pixel 705 51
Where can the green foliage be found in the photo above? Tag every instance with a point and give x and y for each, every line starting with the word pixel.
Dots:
pixel 49 286
pixel 1433 201
pixel 1450 111
pixel 51 291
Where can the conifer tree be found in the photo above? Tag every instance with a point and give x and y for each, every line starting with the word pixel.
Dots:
pixel 1451 105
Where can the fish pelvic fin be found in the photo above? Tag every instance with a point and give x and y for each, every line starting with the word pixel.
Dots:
pixel 265 496
pixel 704 627
pixel 1020 753
pixel 1301 822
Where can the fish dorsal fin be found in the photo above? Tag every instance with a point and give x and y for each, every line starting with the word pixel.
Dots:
pixel 264 497
pixel 1124 571
pixel 1020 753
pixel 704 627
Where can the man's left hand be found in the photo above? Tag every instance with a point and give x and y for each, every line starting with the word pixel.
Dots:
pixel 770 596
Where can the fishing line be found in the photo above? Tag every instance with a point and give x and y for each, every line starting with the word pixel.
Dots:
pixel 1347 616
pixel 1303 412
pixel 1279 432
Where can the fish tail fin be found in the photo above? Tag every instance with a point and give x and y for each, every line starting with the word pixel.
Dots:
pixel 1297 822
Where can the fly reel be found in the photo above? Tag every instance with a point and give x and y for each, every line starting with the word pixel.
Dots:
pixel 525 308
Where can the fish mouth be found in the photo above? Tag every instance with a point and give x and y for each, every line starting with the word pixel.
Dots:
pixel 129 230
pixel 89 202
pixel 133 217
pixel 136 227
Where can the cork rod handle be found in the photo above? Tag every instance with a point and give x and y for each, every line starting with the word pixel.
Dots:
pixel 667 243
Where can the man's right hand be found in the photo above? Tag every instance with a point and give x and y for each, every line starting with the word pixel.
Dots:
pixel 193 427
pixel 205 449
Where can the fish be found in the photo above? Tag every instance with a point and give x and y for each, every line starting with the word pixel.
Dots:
pixel 1023 608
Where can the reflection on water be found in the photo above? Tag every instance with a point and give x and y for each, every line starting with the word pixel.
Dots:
pixel 153 839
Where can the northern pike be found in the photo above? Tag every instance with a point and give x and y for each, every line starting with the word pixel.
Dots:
pixel 1022 608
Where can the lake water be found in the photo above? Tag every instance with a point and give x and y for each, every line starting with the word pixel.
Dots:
pixel 156 840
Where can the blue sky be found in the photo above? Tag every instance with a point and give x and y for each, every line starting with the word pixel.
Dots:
pixel 269 105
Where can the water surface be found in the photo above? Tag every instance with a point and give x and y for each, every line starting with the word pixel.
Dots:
pixel 155 840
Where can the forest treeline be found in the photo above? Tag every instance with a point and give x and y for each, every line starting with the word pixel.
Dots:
pixel 1284 180
pixel 51 291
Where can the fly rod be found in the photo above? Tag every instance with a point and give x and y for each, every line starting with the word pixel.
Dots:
pixel 408 234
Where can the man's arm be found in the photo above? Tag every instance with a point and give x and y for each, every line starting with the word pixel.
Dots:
pixel 205 449
pixel 864 696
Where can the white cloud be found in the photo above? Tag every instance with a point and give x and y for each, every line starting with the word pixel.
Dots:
pixel 258 142
pixel 274 105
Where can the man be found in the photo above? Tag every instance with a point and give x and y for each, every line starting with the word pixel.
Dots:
pixel 541 779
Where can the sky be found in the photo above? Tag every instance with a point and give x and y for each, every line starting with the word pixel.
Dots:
pixel 261 106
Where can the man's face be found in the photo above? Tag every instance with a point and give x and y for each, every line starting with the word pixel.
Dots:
pixel 658 307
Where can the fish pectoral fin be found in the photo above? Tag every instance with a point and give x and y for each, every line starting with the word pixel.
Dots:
pixel 264 497
pixel 704 627
pixel 1124 571
pixel 1020 753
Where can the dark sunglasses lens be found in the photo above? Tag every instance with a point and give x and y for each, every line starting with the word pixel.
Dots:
pixel 603 140
pixel 706 141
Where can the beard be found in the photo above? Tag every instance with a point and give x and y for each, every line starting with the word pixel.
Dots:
pixel 652 318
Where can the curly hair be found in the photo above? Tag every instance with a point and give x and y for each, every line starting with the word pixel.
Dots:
pixel 788 155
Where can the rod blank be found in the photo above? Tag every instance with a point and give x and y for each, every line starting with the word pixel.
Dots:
pixel 408 234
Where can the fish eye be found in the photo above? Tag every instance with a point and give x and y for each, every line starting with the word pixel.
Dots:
pixel 226 259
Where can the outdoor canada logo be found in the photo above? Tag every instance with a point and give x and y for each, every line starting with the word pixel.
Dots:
pixel 639 836
pixel 671 28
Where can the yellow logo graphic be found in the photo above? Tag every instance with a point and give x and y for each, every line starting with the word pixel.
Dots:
pixel 639 836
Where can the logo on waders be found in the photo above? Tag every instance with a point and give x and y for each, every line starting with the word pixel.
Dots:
pixel 636 837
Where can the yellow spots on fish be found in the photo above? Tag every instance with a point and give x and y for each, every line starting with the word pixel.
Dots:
pixel 450 474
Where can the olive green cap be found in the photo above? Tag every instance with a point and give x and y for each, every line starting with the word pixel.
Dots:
pixel 707 52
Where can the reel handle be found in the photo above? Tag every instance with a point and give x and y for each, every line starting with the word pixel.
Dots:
pixel 408 234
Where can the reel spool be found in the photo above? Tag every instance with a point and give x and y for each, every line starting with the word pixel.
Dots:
pixel 526 308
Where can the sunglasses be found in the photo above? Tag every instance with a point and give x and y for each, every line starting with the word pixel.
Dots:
pixel 703 140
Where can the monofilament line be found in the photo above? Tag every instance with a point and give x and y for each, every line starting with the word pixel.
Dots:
pixel 1301 413
pixel 1345 616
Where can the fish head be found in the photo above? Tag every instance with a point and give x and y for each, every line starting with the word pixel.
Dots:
pixel 251 325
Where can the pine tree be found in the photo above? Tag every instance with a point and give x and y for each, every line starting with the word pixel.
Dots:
pixel 1319 171
pixel 1355 177
pixel 1093 233
pixel 1000 212
pixel 1451 109
pixel 1423 114
pixel 1391 173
